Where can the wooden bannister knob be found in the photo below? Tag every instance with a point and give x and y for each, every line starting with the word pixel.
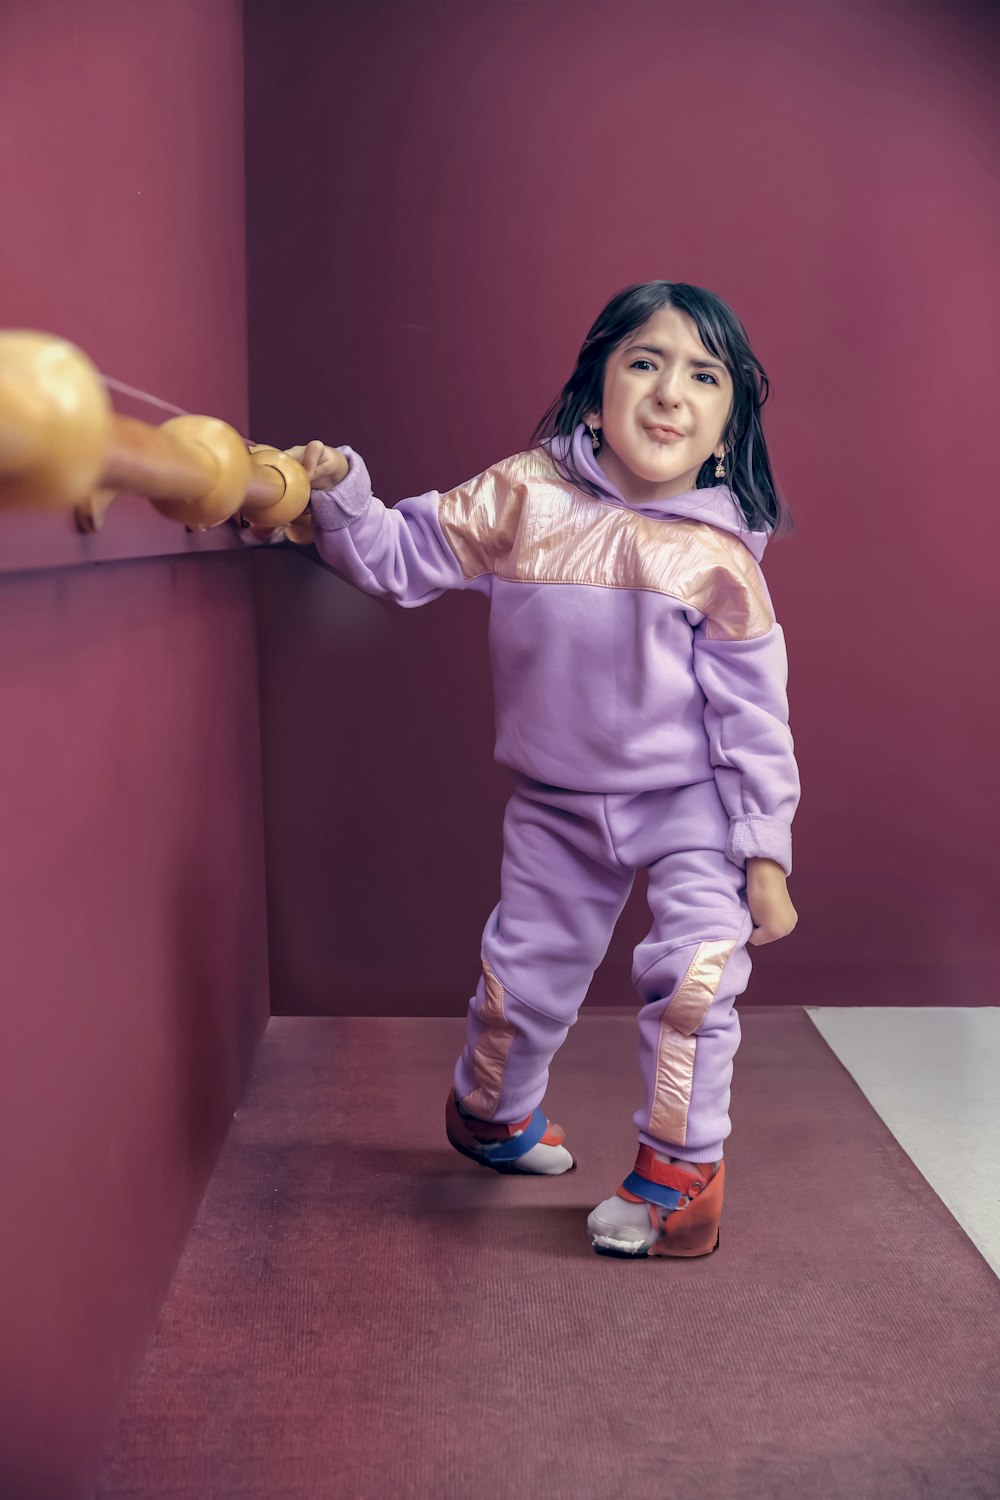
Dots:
pixel 55 418
pixel 296 497
pixel 223 454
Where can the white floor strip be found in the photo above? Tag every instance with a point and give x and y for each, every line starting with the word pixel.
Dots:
pixel 933 1075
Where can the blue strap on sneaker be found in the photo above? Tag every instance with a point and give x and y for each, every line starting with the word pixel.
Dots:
pixel 518 1145
pixel 654 1192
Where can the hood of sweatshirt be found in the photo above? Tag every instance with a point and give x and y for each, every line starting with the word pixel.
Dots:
pixel 716 506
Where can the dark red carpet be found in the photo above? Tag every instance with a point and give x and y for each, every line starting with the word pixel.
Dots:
pixel 363 1314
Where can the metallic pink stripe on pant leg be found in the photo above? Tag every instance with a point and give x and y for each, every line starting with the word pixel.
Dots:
pixel 490 1056
pixel 676 1043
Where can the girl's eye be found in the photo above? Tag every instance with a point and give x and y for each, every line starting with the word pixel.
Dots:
pixel 649 362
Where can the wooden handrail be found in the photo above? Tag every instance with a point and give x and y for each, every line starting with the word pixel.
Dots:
pixel 61 445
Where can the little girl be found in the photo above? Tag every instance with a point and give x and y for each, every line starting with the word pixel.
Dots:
pixel 640 690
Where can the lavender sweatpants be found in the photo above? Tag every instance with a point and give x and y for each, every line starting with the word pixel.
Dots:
pixel 568 865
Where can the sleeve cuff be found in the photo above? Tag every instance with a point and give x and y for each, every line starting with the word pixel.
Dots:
pixel 347 501
pixel 756 836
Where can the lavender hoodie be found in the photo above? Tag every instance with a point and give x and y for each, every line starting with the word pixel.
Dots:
pixel 633 646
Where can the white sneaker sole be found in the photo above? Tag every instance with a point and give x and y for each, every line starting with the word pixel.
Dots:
pixel 620 1247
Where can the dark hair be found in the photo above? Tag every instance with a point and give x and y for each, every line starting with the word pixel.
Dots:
pixel 748 468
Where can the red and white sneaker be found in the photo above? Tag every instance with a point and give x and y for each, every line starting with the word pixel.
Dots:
pixel 531 1145
pixel 662 1208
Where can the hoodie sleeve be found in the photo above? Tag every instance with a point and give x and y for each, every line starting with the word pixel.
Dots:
pixel 411 552
pixel 741 664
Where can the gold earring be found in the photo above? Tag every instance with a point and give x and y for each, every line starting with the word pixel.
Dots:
pixel 595 440
pixel 719 470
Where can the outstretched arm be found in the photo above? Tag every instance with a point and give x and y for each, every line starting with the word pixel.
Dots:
pixel 399 552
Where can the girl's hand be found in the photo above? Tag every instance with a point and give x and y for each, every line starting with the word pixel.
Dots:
pixel 770 906
pixel 325 466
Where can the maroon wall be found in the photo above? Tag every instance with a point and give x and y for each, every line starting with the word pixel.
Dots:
pixel 441 198
pixel 132 921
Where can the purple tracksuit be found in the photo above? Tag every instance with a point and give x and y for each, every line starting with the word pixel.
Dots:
pixel 640 690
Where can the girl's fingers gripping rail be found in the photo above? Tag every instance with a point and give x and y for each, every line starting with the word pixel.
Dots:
pixel 325 467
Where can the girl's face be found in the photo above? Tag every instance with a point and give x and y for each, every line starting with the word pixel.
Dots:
pixel 661 375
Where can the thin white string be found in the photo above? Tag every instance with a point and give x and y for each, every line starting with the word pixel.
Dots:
pixel 130 390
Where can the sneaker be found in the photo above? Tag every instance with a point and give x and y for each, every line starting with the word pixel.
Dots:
pixel 662 1208
pixel 528 1145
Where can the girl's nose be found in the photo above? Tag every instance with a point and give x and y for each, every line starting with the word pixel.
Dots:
pixel 668 387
